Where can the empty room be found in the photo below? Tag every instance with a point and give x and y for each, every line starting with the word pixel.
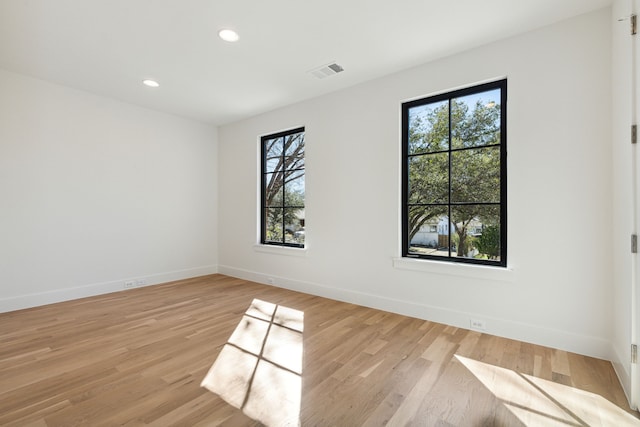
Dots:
pixel 338 213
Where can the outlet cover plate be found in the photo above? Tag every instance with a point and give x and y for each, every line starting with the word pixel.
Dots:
pixel 478 325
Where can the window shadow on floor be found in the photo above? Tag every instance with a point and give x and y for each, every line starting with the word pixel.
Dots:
pixel 535 401
pixel 259 369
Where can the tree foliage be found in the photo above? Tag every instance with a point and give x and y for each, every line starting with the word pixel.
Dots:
pixel 454 159
pixel 489 242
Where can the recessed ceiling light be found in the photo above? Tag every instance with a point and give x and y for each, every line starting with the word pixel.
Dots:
pixel 150 83
pixel 228 35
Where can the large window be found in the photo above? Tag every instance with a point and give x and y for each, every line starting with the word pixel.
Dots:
pixel 454 176
pixel 283 188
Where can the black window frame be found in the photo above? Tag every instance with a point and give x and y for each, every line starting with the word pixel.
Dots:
pixel 263 190
pixel 406 155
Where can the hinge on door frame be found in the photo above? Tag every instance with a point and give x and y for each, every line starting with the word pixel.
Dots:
pixel 634 24
pixel 634 353
pixel 634 134
pixel 634 243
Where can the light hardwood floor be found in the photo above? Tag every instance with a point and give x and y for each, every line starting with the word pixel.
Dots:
pixel 138 357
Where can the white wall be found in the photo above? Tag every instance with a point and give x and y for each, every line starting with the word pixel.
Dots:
pixel 558 289
pixel 94 192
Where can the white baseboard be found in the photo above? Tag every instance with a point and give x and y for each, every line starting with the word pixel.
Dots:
pixel 621 367
pixel 581 344
pixel 42 298
pixel 587 345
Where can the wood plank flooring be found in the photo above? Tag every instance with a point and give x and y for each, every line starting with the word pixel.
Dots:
pixel 138 357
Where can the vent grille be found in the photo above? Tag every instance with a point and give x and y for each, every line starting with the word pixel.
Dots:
pixel 326 70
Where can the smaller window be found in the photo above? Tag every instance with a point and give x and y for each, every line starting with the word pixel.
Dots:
pixel 283 189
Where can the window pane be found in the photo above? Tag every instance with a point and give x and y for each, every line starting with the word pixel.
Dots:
pixel 294 230
pixel 273 225
pixel 487 238
pixel 429 128
pixel 476 231
pixel 274 189
pixel 475 120
pixel 273 151
pixel 429 234
pixel 294 151
pixel 429 178
pixel 294 190
pixel 475 175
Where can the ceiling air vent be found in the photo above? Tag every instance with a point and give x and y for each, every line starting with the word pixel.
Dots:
pixel 326 70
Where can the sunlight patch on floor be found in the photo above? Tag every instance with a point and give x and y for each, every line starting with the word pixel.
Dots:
pixel 259 370
pixel 539 402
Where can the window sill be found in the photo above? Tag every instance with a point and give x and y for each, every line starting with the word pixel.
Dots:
pixel 472 271
pixel 281 250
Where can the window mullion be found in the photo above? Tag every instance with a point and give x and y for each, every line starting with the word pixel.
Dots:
pixel 449 218
pixel 284 168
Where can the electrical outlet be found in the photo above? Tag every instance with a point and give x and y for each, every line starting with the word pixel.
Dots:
pixel 141 282
pixel 129 284
pixel 478 325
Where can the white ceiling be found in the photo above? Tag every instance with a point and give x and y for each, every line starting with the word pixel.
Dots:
pixel 109 46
